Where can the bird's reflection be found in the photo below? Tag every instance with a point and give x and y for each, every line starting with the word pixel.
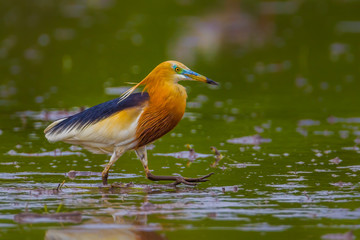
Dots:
pixel 104 234
pixel 112 226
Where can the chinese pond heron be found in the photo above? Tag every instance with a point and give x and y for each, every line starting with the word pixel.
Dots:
pixel 133 120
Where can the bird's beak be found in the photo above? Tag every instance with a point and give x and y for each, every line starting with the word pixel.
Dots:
pixel 197 77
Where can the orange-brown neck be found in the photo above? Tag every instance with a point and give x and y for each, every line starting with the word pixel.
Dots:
pixel 164 91
pixel 166 108
pixel 167 94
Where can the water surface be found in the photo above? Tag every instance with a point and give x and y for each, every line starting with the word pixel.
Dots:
pixel 285 118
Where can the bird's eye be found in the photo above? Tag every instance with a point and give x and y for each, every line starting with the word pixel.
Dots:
pixel 177 69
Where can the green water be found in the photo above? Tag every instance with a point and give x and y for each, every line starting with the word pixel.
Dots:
pixel 278 63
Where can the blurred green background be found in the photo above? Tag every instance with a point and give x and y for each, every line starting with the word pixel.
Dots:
pixel 288 74
pixel 54 50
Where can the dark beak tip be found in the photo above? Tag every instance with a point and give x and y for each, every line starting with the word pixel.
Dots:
pixel 209 81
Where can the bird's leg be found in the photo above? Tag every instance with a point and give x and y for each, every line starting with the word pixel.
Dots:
pixel 142 154
pixel 114 157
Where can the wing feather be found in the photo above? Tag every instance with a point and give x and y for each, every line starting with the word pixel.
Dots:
pixel 106 124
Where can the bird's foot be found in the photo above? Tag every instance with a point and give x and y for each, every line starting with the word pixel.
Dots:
pixel 104 178
pixel 190 181
pixel 179 179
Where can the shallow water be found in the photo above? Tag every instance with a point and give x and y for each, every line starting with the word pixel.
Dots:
pixel 285 119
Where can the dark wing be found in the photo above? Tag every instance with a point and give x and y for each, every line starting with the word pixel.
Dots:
pixel 95 114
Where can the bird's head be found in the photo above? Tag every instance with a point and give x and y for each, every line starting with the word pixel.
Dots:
pixel 174 71
pixel 169 72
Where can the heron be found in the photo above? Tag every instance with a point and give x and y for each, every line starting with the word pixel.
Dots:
pixel 133 120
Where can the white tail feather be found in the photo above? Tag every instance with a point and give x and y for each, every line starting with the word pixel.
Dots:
pixel 53 124
pixel 53 137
